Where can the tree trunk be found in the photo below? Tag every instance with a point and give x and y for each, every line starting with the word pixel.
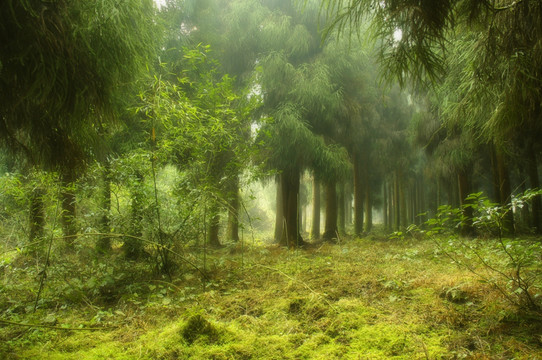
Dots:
pixel 331 229
pixel 396 202
pixel 341 210
pixel 36 216
pixel 104 242
pixel 368 208
pixel 463 180
pixel 535 184
pixel 358 197
pixel 133 248
pixel 495 177
pixel 422 209
pixel 68 217
pixel 290 193
pixel 300 222
pixel 391 204
pixel 315 231
pixel 505 190
pixel 439 198
pixel 402 202
pixel 232 230
pixel 279 213
pixel 385 204
pixel 348 203
pixel 214 227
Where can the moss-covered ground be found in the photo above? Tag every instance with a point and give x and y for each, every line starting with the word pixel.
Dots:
pixel 363 299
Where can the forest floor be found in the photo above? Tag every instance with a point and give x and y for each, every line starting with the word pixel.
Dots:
pixel 363 299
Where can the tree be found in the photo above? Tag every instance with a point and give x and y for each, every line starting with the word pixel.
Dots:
pixel 61 65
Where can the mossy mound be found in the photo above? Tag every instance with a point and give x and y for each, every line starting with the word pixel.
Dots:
pixel 199 328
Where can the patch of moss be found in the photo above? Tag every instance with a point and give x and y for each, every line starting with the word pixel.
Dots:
pixel 197 327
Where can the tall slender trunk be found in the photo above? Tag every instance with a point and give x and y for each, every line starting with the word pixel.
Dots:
pixel 232 231
pixel 439 198
pixel 368 208
pixel 315 231
pixel 36 216
pixel 300 222
pixel 330 231
pixel 463 180
pixel 279 213
pixel 358 197
pixel 133 248
pixel 536 221
pixel 290 194
pixel 397 202
pixel 104 242
pixel 402 202
pixel 385 204
pixel 348 203
pixel 505 189
pixel 495 177
pixel 391 204
pixel 341 224
pixel 214 226
pixel 422 209
pixel 68 217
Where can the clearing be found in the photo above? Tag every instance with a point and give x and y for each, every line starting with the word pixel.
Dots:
pixel 363 299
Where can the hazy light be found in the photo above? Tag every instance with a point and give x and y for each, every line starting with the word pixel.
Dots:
pixel 397 35
pixel 160 3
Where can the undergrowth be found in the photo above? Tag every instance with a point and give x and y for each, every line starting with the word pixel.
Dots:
pixel 364 299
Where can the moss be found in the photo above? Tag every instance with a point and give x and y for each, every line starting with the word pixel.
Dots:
pixel 324 303
pixel 197 327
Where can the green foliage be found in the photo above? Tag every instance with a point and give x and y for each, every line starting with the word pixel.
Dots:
pixel 63 65
pixel 510 265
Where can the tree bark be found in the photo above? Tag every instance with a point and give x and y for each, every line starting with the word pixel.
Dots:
pixel 104 242
pixel 68 216
pixel 368 208
pixel 397 202
pixel 331 229
pixel 505 190
pixel 133 248
pixel 385 204
pixel 279 213
pixel 402 202
pixel 36 216
pixel 463 180
pixel 232 230
pixel 391 204
pixel 348 203
pixel 214 227
pixel 536 205
pixel 495 177
pixel 315 228
pixel 290 193
pixel 358 197
pixel 341 224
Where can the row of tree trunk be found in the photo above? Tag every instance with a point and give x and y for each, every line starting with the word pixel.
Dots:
pixel 404 201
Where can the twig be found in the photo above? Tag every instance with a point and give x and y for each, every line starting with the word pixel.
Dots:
pixel 44 271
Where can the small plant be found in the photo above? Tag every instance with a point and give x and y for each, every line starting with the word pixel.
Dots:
pixel 512 266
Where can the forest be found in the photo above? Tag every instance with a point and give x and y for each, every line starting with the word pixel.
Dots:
pixel 270 179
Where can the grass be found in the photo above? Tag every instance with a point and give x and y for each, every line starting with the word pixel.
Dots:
pixel 365 299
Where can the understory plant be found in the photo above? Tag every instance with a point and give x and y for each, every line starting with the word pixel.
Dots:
pixel 511 265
